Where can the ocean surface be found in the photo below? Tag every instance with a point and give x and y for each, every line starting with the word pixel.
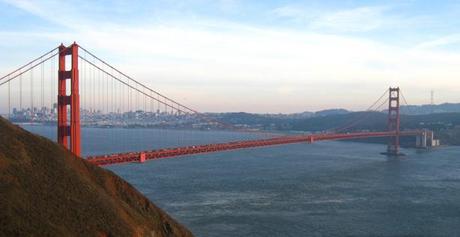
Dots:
pixel 320 189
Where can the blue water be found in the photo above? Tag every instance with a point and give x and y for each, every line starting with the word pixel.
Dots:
pixel 97 141
pixel 321 189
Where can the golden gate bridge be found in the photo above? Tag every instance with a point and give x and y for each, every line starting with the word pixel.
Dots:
pixel 81 85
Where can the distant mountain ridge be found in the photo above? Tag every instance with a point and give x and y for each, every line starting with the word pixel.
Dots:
pixel 445 121
pixel 301 115
pixel 405 109
pixel 431 109
pixel 328 112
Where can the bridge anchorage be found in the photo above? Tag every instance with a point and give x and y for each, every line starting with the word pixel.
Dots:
pixel 108 94
pixel 426 140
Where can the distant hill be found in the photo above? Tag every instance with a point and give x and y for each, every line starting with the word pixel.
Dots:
pixel 272 121
pixel 328 112
pixel 405 109
pixel 430 109
pixel 445 125
pixel 47 191
pixel 368 121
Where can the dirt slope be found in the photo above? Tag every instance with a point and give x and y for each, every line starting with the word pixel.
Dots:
pixel 46 191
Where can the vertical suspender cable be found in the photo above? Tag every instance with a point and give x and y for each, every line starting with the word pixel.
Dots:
pixel 96 90
pixel 42 87
pixel 93 100
pixel 113 115
pixel 101 93
pixel 122 97
pixel 83 83
pixel 9 101
pixel 113 91
pixel 127 116
pixel 52 73
pixel 32 92
pixel 107 94
pixel 151 103
pixel 20 93
pixel 158 117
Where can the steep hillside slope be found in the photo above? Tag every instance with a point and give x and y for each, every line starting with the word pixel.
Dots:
pixel 46 191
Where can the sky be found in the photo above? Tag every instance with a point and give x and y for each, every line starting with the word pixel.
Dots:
pixel 254 56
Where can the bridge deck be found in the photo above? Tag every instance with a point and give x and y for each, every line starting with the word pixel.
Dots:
pixel 181 151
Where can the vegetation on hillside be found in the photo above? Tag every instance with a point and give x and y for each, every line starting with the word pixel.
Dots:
pixel 47 191
pixel 445 125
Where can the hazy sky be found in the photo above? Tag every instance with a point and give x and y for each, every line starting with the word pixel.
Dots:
pixel 254 56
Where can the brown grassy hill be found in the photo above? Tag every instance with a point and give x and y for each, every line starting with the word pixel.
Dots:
pixel 46 191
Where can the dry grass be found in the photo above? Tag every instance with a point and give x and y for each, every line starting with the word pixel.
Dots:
pixel 46 191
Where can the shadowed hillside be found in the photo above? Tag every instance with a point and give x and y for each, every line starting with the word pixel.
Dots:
pixel 46 191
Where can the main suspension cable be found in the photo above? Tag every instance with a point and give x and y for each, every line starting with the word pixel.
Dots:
pixel 30 68
pixel 27 64
pixel 369 109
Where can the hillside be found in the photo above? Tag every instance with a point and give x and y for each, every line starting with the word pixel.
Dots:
pixel 372 121
pixel 445 125
pixel 46 191
pixel 430 109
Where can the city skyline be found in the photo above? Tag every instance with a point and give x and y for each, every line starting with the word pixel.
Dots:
pixel 253 57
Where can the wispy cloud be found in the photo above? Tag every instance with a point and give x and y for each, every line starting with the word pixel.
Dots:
pixel 78 15
pixel 213 58
pixel 291 12
pixel 448 40
pixel 50 11
pixel 355 20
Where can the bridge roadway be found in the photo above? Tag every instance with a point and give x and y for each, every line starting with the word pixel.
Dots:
pixel 198 149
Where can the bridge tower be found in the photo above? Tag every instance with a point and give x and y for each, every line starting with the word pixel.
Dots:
pixel 393 121
pixel 69 129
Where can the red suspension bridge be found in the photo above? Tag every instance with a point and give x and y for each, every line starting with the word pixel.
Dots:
pixel 91 92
